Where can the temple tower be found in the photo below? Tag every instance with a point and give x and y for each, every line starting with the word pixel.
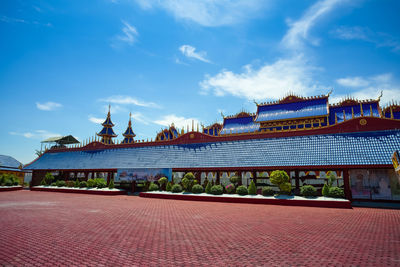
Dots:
pixel 107 133
pixel 129 134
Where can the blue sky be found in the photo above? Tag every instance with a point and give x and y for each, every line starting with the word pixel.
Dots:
pixel 63 62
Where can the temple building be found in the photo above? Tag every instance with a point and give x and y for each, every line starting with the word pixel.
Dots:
pixel 308 137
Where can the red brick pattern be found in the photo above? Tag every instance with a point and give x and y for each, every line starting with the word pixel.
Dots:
pixel 51 229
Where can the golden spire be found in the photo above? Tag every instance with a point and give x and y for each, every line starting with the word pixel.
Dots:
pixel 352 113
pixel 391 113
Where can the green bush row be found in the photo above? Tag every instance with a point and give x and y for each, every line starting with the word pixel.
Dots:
pixel 9 180
pixel 91 183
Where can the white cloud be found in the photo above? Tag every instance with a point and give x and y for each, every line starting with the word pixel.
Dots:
pixel 179 122
pixel 292 72
pixel 351 33
pixel 96 120
pixel 379 39
pixel 129 35
pixel 128 100
pixel 272 81
pixel 374 85
pixel 48 106
pixel 37 134
pixel 300 29
pixel 352 82
pixel 210 13
pixel 190 52
pixel 137 116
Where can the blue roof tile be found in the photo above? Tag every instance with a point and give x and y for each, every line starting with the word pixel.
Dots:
pixel 367 148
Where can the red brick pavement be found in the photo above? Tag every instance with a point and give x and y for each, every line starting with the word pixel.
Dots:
pixel 42 228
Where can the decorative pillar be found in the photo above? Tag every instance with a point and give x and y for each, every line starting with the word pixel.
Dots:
pixel 297 180
pixel 346 182
pixel 217 180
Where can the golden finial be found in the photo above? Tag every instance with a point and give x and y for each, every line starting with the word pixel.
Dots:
pixel 370 109
pixel 352 113
pixel 330 92
pixel 379 98
pixel 255 102
pixel 391 112
pixel 344 115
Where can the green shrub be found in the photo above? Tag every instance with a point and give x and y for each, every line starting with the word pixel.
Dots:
pixel 111 185
pixel 100 183
pixel 49 178
pixel 8 182
pixel 230 189
pixel 331 179
pixel 234 179
pixel 53 184
pixel 70 183
pixel 208 187
pixel 325 190
pixel 91 183
pixel 186 184
pixel 308 191
pixel 83 184
pixel 162 181
pixel 336 192
pixel 242 190
pixel 252 188
pixel 197 189
pixel 189 176
pixel 279 177
pixel 76 183
pixel 43 182
pixel 176 188
pixel 267 191
pixel 153 187
pixel 285 188
pixel 14 179
pixel 2 179
pixel 168 187
pixel 217 190
pixel 61 183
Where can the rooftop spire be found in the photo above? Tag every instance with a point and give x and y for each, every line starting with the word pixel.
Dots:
pixel 129 134
pixel 107 133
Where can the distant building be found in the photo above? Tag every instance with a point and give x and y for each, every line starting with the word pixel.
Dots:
pixel 9 165
pixel 306 136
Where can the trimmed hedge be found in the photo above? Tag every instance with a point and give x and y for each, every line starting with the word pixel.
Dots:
pixel 153 187
pixel 286 188
pixel 197 189
pixel 83 184
pixel 230 188
pixel 217 190
pixel 168 188
pixel 267 191
pixel 111 185
pixel 308 191
pixel 91 183
pixel 100 183
pixel 61 183
pixel 336 192
pixel 252 188
pixel 176 188
pixel 242 190
pixel 208 187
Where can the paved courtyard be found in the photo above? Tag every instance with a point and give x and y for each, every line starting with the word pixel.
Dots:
pixel 42 228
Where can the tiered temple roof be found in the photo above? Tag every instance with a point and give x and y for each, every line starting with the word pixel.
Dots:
pixel 129 134
pixel 242 122
pixel 107 133
pixel 292 107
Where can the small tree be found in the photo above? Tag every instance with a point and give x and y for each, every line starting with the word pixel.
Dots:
pixel 49 178
pixel 188 181
pixel 168 187
pixel 325 190
pixel 162 181
pixel 252 188
pixel 234 180
pixel 281 179
pixel 208 187
pixel 76 183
